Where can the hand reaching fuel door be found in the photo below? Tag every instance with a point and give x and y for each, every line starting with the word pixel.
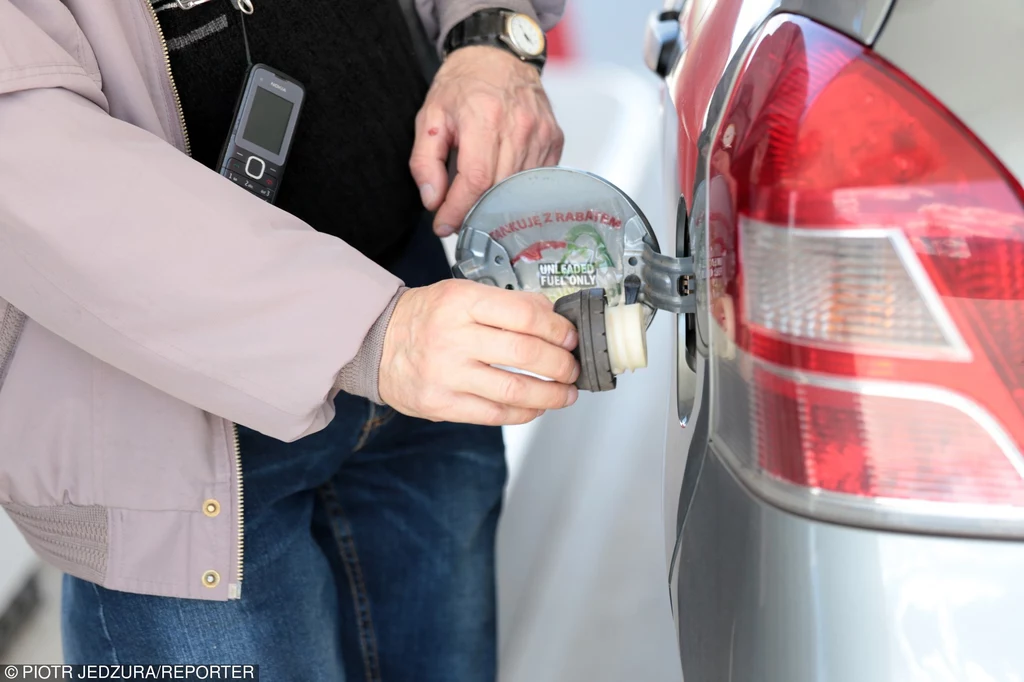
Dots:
pixel 583 244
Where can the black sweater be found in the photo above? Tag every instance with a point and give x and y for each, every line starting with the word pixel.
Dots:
pixel 348 170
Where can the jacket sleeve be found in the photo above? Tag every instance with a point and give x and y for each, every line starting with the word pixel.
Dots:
pixel 439 16
pixel 116 241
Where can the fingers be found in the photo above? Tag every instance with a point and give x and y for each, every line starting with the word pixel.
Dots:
pixel 472 409
pixel 486 161
pixel 498 347
pixel 531 314
pixel 538 143
pixel 518 391
pixel 520 147
pixel 554 151
pixel 510 161
pixel 552 136
pixel 429 160
pixel 436 359
pixel 492 107
pixel 477 164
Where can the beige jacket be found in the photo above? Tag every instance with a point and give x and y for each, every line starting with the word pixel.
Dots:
pixel 147 306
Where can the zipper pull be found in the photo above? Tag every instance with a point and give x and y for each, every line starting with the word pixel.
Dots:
pixel 189 4
pixel 243 6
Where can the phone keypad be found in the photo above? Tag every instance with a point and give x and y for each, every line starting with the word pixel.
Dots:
pixel 243 169
pixel 255 167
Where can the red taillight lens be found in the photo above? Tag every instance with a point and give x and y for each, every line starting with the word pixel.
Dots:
pixel 866 284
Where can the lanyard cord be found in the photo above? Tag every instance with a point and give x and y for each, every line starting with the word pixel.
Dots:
pixel 245 38
pixel 244 7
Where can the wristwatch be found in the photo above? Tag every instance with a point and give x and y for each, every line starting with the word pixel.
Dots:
pixel 511 31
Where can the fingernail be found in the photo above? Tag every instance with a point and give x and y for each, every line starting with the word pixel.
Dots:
pixel 427 194
pixel 445 230
pixel 575 374
pixel 573 395
pixel 571 340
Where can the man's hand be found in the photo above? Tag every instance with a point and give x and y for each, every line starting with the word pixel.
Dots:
pixel 492 107
pixel 442 340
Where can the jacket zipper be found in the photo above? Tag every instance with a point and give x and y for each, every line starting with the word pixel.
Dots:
pixel 170 76
pixel 234 588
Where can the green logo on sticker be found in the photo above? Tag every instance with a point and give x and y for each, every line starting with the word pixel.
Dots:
pixel 584 241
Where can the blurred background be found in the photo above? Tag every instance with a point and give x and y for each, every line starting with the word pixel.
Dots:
pixel 582 566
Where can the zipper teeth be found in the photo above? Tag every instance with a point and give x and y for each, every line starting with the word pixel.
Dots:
pixel 170 77
pixel 240 507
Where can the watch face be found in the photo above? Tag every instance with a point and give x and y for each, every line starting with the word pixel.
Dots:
pixel 526 35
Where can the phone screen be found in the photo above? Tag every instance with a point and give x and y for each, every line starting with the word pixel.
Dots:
pixel 268 120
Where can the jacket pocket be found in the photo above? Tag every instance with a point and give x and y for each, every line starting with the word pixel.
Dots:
pixel 12 321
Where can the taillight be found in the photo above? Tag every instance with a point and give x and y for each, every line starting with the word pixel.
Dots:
pixel 866 286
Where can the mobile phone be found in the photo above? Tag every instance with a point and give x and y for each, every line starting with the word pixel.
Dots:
pixel 256 150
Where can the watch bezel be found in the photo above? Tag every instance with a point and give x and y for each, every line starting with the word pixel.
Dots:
pixel 510 37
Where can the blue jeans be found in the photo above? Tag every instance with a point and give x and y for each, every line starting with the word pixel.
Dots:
pixel 369 555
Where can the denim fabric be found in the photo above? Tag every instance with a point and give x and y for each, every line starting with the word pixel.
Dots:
pixel 369 554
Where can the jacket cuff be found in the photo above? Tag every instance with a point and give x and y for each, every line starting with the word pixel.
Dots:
pixel 453 12
pixel 360 376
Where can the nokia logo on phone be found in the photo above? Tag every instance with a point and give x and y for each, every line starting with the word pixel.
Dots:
pixel 278 86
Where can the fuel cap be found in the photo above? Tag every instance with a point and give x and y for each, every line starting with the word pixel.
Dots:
pixel 556 231
pixel 579 240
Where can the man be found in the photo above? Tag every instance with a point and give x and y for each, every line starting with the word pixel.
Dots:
pixel 149 306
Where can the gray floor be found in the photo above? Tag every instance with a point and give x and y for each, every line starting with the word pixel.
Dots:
pixel 38 642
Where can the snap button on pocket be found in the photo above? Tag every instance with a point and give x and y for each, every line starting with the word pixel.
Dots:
pixel 211 508
pixel 211 578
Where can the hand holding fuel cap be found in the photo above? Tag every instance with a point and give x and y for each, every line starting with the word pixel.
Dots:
pixel 443 340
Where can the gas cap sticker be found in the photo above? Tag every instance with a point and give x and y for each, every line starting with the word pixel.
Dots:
pixel 563 230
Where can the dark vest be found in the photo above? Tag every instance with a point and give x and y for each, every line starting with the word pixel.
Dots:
pixel 348 170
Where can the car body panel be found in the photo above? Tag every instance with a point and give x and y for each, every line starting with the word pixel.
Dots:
pixel 774 597
pixel 763 595
pixel 969 56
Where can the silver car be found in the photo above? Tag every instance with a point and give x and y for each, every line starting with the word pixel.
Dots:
pixel 845 480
